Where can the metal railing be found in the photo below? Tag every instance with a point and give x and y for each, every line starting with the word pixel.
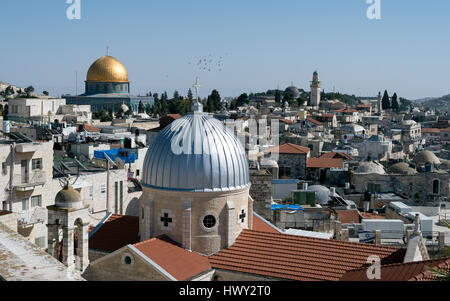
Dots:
pixel 30 217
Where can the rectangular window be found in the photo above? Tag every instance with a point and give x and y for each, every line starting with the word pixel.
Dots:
pixel 4 168
pixel 37 164
pixel 36 201
pixel 137 172
pixel 91 191
pixel 25 204
pixel 103 188
pixel 5 206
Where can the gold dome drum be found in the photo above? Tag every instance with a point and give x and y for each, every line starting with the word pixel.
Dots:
pixel 107 69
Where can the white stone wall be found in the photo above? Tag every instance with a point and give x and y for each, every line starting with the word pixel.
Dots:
pixel 44 175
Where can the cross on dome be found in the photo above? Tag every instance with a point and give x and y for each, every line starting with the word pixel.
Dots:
pixel 197 105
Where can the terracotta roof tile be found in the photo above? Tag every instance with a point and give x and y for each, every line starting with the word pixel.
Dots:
pixel 367 215
pixel 314 121
pixel 175 260
pixel 298 258
pixel 117 232
pixel 412 271
pixel 289 148
pixel 430 130
pixel 348 216
pixel 287 121
pixel 324 163
pixel 335 155
pixel 262 226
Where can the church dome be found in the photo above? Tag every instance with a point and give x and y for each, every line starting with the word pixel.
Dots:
pixel 425 157
pixel 107 69
pixel 196 153
pixel 68 198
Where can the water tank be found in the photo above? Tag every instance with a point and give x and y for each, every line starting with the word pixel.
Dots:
pixel 6 126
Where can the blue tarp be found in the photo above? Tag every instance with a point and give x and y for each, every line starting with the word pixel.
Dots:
pixel 126 157
pixel 287 207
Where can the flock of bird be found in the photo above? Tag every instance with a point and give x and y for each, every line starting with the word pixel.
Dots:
pixel 209 63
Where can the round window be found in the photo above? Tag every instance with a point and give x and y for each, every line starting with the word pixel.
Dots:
pixel 127 260
pixel 209 221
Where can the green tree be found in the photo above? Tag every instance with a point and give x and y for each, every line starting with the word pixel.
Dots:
pixel 45 93
pixel 176 95
pixel 189 95
pixel 385 103
pixel 29 90
pixel 395 105
pixel 216 101
pixel 242 99
pixel 148 109
pixel 278 96
pixel 289 97
pixel 141 107
pixel 119 113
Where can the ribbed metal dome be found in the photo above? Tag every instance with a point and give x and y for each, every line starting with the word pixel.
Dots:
pixel 196 153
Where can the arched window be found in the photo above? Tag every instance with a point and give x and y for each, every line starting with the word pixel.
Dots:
pixel 436 187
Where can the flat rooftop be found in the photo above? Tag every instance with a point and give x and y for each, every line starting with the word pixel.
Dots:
pixel 21 260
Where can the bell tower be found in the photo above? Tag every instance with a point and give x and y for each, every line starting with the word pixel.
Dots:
pixel 68 229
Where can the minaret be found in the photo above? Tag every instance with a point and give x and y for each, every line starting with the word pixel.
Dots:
pixel 380 104
pixel 315 90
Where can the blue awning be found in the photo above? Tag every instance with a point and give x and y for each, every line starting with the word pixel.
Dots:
pixel 287 207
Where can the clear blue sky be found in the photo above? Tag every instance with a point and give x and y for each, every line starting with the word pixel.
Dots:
pixel 263 44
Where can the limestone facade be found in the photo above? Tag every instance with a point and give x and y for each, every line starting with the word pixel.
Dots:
pixel 181 216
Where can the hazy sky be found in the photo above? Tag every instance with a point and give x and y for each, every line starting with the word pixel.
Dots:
pixel 263 44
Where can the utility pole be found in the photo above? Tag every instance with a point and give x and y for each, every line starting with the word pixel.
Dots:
pixel 11 175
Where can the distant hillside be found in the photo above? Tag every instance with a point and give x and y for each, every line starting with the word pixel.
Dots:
pixel 441 103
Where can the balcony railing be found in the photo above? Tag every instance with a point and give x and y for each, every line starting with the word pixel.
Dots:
pixel 30 217
pixel 21 183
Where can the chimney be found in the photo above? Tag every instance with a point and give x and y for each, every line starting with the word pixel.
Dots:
pixel 332 191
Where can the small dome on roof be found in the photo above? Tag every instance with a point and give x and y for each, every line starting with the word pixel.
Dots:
pixel 426 156
pixel 269 163
pixel 408 122
pixel 322 193
pixel 402 168
pixel 370 168
pixel 68 198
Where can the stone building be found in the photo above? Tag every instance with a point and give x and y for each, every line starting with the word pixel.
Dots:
pixel 26 179
pixel 292 160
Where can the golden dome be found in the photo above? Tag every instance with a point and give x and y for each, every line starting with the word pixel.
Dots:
pixel 107 69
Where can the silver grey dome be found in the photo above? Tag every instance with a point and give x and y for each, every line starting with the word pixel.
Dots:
pixel 196 153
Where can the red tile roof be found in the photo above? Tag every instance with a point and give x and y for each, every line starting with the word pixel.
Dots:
pixel 348 216
pixel 334 155
pixel 346 110
pixel 262 226
pixel 298 258
pixel 430 130
pixel 367 215
pixel 89 128
pixel 327 115
pixel 175 260
pixel 286 121
pixel 324 163
pixel 314 121
pixel 412 271
pixel 289 148
pixel 117 232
